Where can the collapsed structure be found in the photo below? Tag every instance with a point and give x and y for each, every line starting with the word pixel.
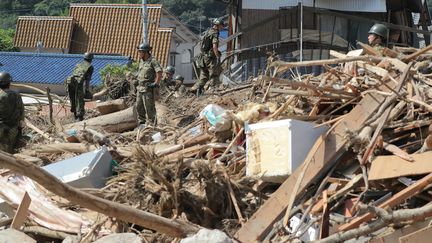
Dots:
pixel 364 174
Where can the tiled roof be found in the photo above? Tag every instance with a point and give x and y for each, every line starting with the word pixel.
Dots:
pixel 117 29
pixel 53 32
pixel 50 68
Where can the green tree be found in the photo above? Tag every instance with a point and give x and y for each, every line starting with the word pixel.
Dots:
pixel 6 40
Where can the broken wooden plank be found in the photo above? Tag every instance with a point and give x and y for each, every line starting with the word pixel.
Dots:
pixel 22 212
pixel 324 157
pixel 284 66
pixel 417 53
pixel 399 197
pixel 391 166
pixel 325 220
pixel 422 235
pixel 395 235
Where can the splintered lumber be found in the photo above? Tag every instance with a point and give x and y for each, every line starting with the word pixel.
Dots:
pixel 194 141
pixel 383 118
pixel 417 53
pixel 22 212
pixel 399 197
pixel 369 49
pixel 395 235
pixel 283 66
pixel 391 166
pixel 115 122
pixel 386 218
pixel 65 147
pixel 171 227
pixel 111 106
pixel 322 158
pixel 422 235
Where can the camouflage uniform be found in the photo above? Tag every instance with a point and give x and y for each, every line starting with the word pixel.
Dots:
pixel 77 85
pixel 166 84
pixel 145 103
pixel 11 114
pixel 207 62
pixel 379 48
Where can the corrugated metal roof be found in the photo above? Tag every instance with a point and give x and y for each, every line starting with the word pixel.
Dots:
pixel 341 5
pixel 53 32
pixel 48 68
pixel 117 29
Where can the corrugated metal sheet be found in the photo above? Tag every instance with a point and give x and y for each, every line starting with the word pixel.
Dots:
pixel 53 32
pixel 47 68
pixel 341 5
pixel 117 29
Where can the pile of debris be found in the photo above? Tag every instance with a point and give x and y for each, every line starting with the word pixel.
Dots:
pixel 311 157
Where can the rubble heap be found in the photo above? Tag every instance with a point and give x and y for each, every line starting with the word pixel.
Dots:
pixel 332 157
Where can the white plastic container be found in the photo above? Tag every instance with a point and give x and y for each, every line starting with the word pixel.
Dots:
pixel 275 149
pixel 88 170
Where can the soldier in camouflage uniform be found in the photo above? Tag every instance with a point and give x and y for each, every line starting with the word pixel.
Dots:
pixel 208 61
pixel 377 36
pixel 149 76
pixel 166 82
pixel 179 87
pixel 78 84
pixel 11 114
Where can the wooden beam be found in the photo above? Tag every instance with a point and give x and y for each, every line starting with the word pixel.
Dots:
pixel 417 53
pixel 323 157
pixel 423 235
pixel 283 66
pixel 22 212
pixel 399 197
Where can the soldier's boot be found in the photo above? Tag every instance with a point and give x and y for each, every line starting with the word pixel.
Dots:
pixel 79 118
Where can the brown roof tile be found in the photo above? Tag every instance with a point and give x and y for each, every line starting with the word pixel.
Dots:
pixel 117 29
pixel 54 32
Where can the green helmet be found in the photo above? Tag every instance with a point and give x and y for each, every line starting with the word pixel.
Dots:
pixel 5 78
pixel 88 56
pixel 179 77
pixel 218 21
pixel 170 69
pixel 144 47
pixel 379 29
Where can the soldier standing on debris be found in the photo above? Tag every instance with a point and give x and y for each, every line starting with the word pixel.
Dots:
pixel 11 114
pixel 149 76
pixel 78 86
pixel 208 61
pixel 377 36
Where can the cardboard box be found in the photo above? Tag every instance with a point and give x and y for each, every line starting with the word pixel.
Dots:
pixel 275 149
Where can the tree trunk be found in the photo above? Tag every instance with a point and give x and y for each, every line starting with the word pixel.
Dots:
pixel 115 122
pixel 111 106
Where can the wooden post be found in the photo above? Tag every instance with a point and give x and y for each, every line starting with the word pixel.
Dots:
pixel 22 212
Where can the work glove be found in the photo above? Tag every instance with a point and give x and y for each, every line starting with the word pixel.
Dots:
pixel 152 85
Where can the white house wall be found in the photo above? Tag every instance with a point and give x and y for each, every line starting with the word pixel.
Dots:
pixel 341 5
pixel 183 60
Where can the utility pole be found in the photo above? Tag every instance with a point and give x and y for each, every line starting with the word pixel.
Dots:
pixel 145 21
pixel 301 30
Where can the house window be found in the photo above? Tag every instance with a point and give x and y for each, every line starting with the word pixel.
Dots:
pixel 173 59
